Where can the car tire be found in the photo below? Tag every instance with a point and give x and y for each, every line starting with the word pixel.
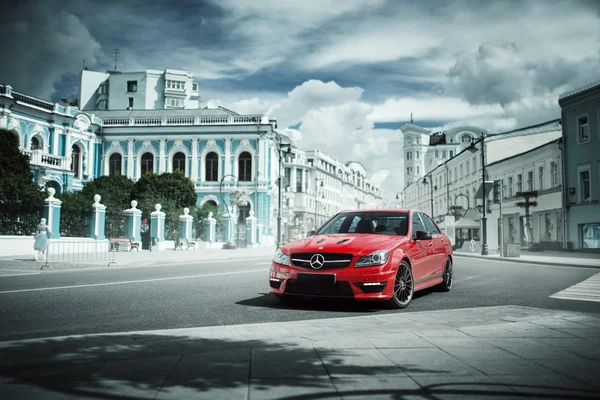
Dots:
pixel 448 277
pixel 404 287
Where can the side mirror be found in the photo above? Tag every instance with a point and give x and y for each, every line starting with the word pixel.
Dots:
pixel 422 235
pixel 310 233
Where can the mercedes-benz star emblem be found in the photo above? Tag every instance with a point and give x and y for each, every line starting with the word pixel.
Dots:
pixel 317 261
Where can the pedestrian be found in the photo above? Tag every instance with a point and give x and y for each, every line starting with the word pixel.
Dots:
pixel 41 239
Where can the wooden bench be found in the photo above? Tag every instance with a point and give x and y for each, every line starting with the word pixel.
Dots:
pixel 184 242
pixel 117 243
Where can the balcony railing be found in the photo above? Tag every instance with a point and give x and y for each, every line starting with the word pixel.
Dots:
pixel 185 120
pixel 37 157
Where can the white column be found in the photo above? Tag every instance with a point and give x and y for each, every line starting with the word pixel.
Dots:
pixel 292 181
pixel 130 160
pixel 57 133
pixel 162 157
pixel 262 156
pixel 228 166
pixel 91 153
pixel 194 160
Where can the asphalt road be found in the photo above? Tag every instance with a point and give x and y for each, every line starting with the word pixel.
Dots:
pixel 57 303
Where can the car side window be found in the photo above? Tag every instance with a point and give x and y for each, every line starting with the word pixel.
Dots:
pixel 417 224
pixel 431 228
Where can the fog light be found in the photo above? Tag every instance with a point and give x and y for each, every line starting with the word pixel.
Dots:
pixel 373 283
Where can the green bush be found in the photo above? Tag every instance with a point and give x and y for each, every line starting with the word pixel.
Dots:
pixel 76 210
pixel 21 200
pixel 201 213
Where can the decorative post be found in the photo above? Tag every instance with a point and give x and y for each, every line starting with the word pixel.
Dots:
pixel 186 225
pixel 157 226
pixel 133 223
pixel 52 213
pixel 209 229
pixel 98 219
pixel 259 232
pixel 251 230
pixel 228 229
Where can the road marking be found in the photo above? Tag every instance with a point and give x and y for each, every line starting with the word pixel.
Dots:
pixel 528 264
pixel 588 290
pixel 135 281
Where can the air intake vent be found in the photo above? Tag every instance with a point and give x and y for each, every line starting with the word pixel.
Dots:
pixel 343 241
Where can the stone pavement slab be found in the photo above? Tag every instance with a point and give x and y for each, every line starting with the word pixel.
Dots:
pixel 573 259
pixel 494 352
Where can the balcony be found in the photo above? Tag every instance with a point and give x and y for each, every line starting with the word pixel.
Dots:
pixel 38 158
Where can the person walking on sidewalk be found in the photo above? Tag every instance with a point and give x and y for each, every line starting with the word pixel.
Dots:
pixel 41 239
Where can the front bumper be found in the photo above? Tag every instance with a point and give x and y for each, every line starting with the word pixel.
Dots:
pixel 365 283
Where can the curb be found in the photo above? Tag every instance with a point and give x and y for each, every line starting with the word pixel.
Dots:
pixel 521 261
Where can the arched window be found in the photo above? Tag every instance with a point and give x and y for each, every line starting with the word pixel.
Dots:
pixel 147 163
pixel 244 212
pixel 179 162
pixel 76 160
pixel 35 144
pixel 114 164
pixel 211 202
pixel 465 139
pixel 245 167
pixel 212 167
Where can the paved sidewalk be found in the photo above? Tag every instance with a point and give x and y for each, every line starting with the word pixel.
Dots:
pixel 143 258
pixel 574 259
pixel 494 352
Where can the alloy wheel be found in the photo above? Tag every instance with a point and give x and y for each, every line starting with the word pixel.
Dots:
pixel 403 286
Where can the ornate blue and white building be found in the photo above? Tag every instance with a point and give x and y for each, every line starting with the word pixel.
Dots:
pixel 68 147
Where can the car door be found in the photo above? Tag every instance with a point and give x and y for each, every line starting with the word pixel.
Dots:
pixel 438 245
pixel 419 251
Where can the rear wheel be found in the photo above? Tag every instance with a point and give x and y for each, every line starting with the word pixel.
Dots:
pixel 404 287
pixel 446 284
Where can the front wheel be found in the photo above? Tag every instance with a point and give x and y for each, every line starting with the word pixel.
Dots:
pixel 446 284
pixel 404 287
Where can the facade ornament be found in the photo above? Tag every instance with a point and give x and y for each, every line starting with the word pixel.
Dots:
pixel 212 142
pixel 147 144
pixel 245 142
pixel 178 143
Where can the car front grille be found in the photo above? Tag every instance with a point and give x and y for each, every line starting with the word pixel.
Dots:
pixel 331 260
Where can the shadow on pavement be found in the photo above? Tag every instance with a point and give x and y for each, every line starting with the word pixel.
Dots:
pixel 135 366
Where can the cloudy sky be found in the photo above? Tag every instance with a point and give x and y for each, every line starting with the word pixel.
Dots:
pixel 338 75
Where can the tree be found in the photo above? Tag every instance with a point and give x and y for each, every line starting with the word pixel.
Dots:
pixel 173 191
pixel 527 204
pixel 115 192
pixel 21 200
pixel 200 214
pixel 76 209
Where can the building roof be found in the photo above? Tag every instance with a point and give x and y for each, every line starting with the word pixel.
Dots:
pixel 550 142
pixel 579 90
pixel 163 113
pixel 512 146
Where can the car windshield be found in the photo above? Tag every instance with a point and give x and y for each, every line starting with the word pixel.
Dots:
pixel 383 223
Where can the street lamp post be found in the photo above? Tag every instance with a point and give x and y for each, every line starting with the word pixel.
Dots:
pixel 472 149
pixel 317 188
pixel 431 191
pixel 280 150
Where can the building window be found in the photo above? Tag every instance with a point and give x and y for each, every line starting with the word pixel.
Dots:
pixel 418 155
pixel 474 164
pixel 583 129
pixel 467 168
pixel 299 181
pixel 451 153
pixel 519 183
pixel 437 154
pixel 407 170
pixel 178 85
pixel 179 162
pixel 132 86
pixel 245 167
pixel 35 144
pixel 465 139
pixel 147 163
pixel 114 164
pixel 510 186
pixel 174 102
pixel 444 154
pixel 102 105
pixel 584 184
pixel 418 170
pixel 408 155
pixel 131 102
pixel 554 174
pixel 461 171
pixel 590 236
pixel 530 180
pixel 541 178
pixel 195 87
pixel 211 162
pixel 76 160
pixel 547 227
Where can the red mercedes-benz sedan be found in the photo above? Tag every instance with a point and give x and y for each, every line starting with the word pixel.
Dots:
pixel 384 255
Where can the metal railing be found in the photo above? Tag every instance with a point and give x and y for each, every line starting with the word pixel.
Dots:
pixel 78 251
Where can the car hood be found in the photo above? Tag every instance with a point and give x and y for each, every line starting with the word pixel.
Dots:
pixel 345 243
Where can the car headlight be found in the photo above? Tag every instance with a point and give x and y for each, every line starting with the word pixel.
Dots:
pixel 378 257
pixel 281 258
